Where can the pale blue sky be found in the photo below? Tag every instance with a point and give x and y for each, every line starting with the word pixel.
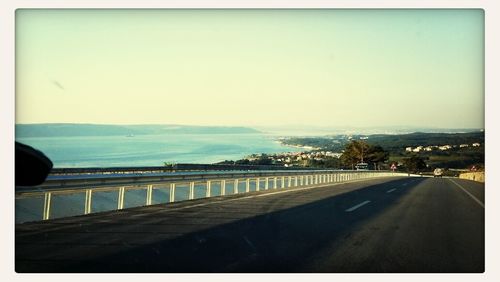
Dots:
pixel 251 67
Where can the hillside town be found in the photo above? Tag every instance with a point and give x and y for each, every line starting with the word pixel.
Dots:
pixel 419 149
pixel 294 158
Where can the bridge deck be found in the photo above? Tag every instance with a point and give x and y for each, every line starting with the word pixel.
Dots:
pixel 297 230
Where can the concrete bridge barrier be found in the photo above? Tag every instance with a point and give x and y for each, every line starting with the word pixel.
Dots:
pixel 475 176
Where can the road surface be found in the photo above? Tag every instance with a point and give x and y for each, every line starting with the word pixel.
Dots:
pixel 379 225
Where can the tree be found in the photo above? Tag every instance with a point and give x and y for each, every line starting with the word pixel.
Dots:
pixel 264 160
pixel 414 164
pixel 354 152
pixel 376 155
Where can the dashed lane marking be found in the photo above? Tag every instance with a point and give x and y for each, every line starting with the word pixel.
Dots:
pixel 357 206
pixel 392 190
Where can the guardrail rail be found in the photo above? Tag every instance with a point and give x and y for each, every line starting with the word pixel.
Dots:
pixel 63 196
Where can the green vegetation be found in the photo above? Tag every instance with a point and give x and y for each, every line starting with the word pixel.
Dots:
pixel 414 164
pixel 362 152
pixel 388 149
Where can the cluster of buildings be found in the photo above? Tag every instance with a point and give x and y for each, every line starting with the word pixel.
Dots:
pixel 293 157
pixel 419 149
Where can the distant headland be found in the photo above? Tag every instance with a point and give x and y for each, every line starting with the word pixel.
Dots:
pixel 85 129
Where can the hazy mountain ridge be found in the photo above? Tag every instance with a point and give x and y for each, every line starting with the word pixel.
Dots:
pixel 73 129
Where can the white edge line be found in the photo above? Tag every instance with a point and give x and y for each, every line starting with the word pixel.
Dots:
pixel 467 192
pixel 357 206
pixel 389 191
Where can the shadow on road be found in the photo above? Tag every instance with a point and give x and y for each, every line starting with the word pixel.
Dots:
pixel 279 241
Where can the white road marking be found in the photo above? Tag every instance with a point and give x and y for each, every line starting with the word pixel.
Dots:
pixel 404 184
pixel 357 206
pixel 467 192
pixel 255 196
pixel 392 190
pixel 249 243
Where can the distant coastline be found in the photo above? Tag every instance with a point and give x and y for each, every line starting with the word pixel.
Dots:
pixel 304 147
pixel 74 129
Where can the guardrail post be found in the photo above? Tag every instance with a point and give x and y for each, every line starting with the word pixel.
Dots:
pixel 191 190
pixel 235 186
pixel 149 195
pixel 247 188
pixel 257 184
pixel 172 193
pixel 121 197
pixel 223 187
pixel 209 189
pixel 266 185
pixel 88 201
pixel 289 181
pixel 296 180
pixel 46 205
pixel 275 185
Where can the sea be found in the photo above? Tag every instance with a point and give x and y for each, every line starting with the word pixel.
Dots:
pixel 152 150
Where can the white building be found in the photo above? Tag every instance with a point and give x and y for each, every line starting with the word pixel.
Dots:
pixel 418 149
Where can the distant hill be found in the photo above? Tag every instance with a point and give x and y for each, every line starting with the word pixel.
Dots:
pixel 390 142
pixel 395 142
pixel 71 129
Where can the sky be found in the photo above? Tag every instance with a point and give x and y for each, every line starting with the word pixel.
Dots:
pixel 322 68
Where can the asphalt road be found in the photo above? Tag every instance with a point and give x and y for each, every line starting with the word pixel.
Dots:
pixel 379 225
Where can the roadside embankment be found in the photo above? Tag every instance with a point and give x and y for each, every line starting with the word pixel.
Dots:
pixel 475 176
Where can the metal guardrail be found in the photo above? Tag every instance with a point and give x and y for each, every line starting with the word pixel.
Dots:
pixel 81 195
pixel 171 168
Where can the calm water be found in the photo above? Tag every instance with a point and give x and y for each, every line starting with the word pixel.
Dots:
pixel 151 150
